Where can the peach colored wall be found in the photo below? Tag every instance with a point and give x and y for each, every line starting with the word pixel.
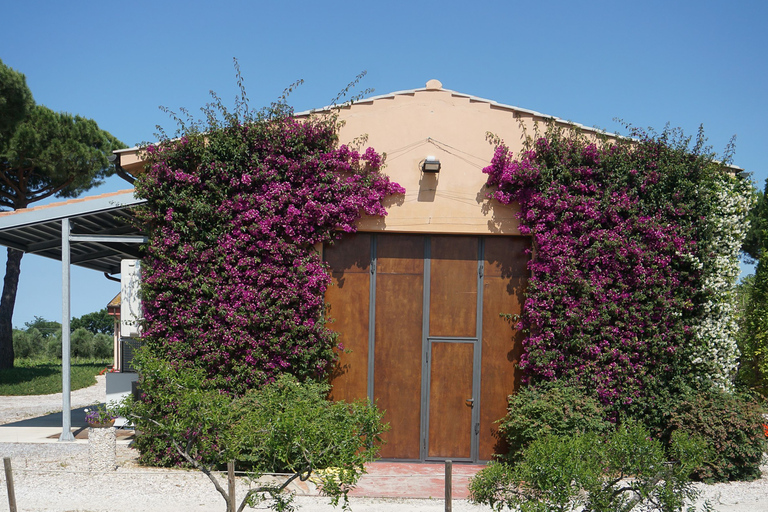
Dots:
pixel 452 127
pixel 131 160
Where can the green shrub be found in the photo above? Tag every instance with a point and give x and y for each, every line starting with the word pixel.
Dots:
pixel 81 342
pixel 654 408
pixel 102 346
pixel 29 343
pixel 732 424
pixel 53 347
pixel 284 426
pixel 21 345
pixel 536 411
pixel 42 340
pixel 618 472
pixel 272 428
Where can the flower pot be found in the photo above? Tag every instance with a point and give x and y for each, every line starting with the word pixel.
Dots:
pixel 101 424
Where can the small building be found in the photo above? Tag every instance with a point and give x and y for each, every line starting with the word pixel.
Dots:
pixel 424 299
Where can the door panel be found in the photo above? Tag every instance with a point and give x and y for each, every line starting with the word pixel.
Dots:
pixel 503 286
pixel 398 362
pixel 450 386
pixel 507 256
pixel 453 286
pixel 348 298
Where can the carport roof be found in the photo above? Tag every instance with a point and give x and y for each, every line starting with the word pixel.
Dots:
pixel 103 231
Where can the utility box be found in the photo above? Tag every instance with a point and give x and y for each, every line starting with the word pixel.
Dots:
pixel 130 303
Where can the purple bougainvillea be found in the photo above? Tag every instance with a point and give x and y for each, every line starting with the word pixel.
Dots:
pixel 232 282
pixel 615 287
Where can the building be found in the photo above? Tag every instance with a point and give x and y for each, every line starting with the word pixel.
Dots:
pixel 424 298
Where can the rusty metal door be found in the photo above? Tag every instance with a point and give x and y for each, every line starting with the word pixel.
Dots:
pixel 419 321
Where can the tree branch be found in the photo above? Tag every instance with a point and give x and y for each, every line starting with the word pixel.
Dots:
pixel 187 457
pixel 22 175
pixel 11 184
pixel 202 468
pixel 275 490
pixel 49 191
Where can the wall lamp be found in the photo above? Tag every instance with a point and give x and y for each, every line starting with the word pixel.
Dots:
pixel 431 164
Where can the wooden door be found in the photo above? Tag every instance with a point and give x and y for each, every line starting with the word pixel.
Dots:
pixel 420 319
pixel 505 272
pixel 452 338
pixel 451 400
pixel 397 376
pixel 348 307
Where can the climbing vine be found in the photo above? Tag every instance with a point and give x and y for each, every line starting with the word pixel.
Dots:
pixel 717 331
pixel 632 272
pixel 232 282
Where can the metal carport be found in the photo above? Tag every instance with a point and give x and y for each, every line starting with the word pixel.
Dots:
pixel 92 232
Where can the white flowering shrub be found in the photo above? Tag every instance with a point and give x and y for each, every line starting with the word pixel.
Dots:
pixel 717 352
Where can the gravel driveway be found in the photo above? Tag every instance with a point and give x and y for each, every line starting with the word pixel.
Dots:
pixel 55 477
pixel 15 408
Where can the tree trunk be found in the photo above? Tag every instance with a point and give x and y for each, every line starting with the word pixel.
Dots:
pixel 7 302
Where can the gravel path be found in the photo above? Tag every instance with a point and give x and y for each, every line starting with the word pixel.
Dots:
pixel 15 408
pixel 55 477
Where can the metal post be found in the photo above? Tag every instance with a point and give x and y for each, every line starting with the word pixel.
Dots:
pixel 448 486
pixel 9 482
pixel 66 405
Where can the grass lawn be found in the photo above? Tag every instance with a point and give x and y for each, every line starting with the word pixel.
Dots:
pixel 43 377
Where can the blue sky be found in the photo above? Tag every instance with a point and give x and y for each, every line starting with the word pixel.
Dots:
pixel 685 63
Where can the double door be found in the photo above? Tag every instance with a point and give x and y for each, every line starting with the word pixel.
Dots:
pixel 420 321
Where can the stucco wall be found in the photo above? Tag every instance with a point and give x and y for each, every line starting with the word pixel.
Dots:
pixel 452 127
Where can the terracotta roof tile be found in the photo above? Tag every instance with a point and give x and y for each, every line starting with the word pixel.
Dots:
pixel 62 203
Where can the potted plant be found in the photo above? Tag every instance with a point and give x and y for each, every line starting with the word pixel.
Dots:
pixel 99 416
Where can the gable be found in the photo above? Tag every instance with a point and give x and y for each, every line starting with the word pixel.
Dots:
pixel 409 126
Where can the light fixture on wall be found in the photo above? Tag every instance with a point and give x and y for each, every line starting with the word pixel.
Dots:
pixel 431 164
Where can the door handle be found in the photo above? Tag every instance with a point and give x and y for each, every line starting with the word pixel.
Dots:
pixel 470 402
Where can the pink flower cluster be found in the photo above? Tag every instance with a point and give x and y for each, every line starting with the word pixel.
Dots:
pixel 231 280
pixel 612 293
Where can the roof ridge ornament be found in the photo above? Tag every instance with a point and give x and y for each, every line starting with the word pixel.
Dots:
pixel 434 85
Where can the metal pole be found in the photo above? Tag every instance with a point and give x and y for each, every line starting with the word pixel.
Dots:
pixel 66 405
pixel 448 485
pixel 9 482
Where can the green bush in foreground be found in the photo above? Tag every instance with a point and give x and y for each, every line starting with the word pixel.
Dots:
pixel 285 426
pixel 732 425
pixel 622 472
pixel 536 411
